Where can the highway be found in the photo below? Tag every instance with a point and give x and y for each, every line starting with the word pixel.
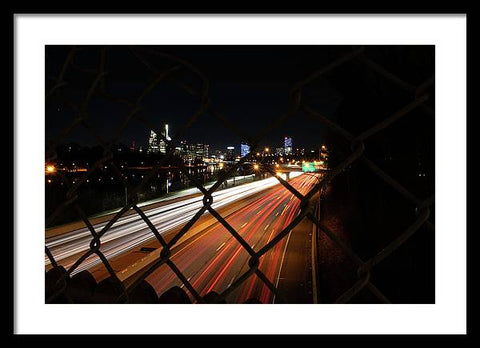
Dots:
pixel 214 259
pixel 131 231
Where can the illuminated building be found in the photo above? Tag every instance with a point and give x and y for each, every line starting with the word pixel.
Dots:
pixel 230 155
pixel 153 143
pixel 201 151
pixel 244 149
pixel 156 144
pixel 205 150
pixel 161 143
pixel 188 151
pixel 219 154
pixel 288 145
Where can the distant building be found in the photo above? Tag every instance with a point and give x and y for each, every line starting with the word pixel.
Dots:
pixel 219 154
pixel 153 143
pixel 161 143
pixel 299 152
pixel 280 151
pixel 230 155
pixel 157 144
pixel 178 151
pixel 188 151
pixel 192 152
pixel 184 147
pixel 201 151
pixel 288 146
pixel 205 150
pixel 244 149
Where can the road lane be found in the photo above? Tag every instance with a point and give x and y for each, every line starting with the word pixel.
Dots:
pixel 131 231
pixel 215 259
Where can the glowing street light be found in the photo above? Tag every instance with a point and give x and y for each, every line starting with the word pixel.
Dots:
pixel 50 169
pixel 267 149
pixel 255 166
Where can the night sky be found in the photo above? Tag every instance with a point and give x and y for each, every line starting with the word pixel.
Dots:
pixel 248 85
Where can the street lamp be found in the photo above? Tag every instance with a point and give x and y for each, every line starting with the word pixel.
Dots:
pixel 50 169
pixel 255 167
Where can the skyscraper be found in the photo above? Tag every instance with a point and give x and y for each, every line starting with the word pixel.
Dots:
pixel 205 150
pixel 201 151
pixel 156 144
pixel 152 143
pixel 244 149
pixel 162 144
pixel 184 146
pixel 191 152
pixel 288 145
pixel 230 156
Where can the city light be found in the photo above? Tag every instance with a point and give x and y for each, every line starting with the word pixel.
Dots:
pixel 267 149
pixel 51 169
pixel 255 166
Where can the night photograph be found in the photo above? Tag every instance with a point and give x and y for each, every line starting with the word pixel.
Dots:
pixel 240 174
pixel 189 175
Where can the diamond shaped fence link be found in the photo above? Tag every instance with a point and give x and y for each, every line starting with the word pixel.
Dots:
pixel 357 146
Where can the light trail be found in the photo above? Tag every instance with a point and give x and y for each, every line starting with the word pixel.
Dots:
pixel 131 231
pixel 213 268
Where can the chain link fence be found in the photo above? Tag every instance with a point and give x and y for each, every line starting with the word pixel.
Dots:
pixel 61 286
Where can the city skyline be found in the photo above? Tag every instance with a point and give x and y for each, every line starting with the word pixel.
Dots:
pixel 160 146
pixel 156 144
pixel 249 97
